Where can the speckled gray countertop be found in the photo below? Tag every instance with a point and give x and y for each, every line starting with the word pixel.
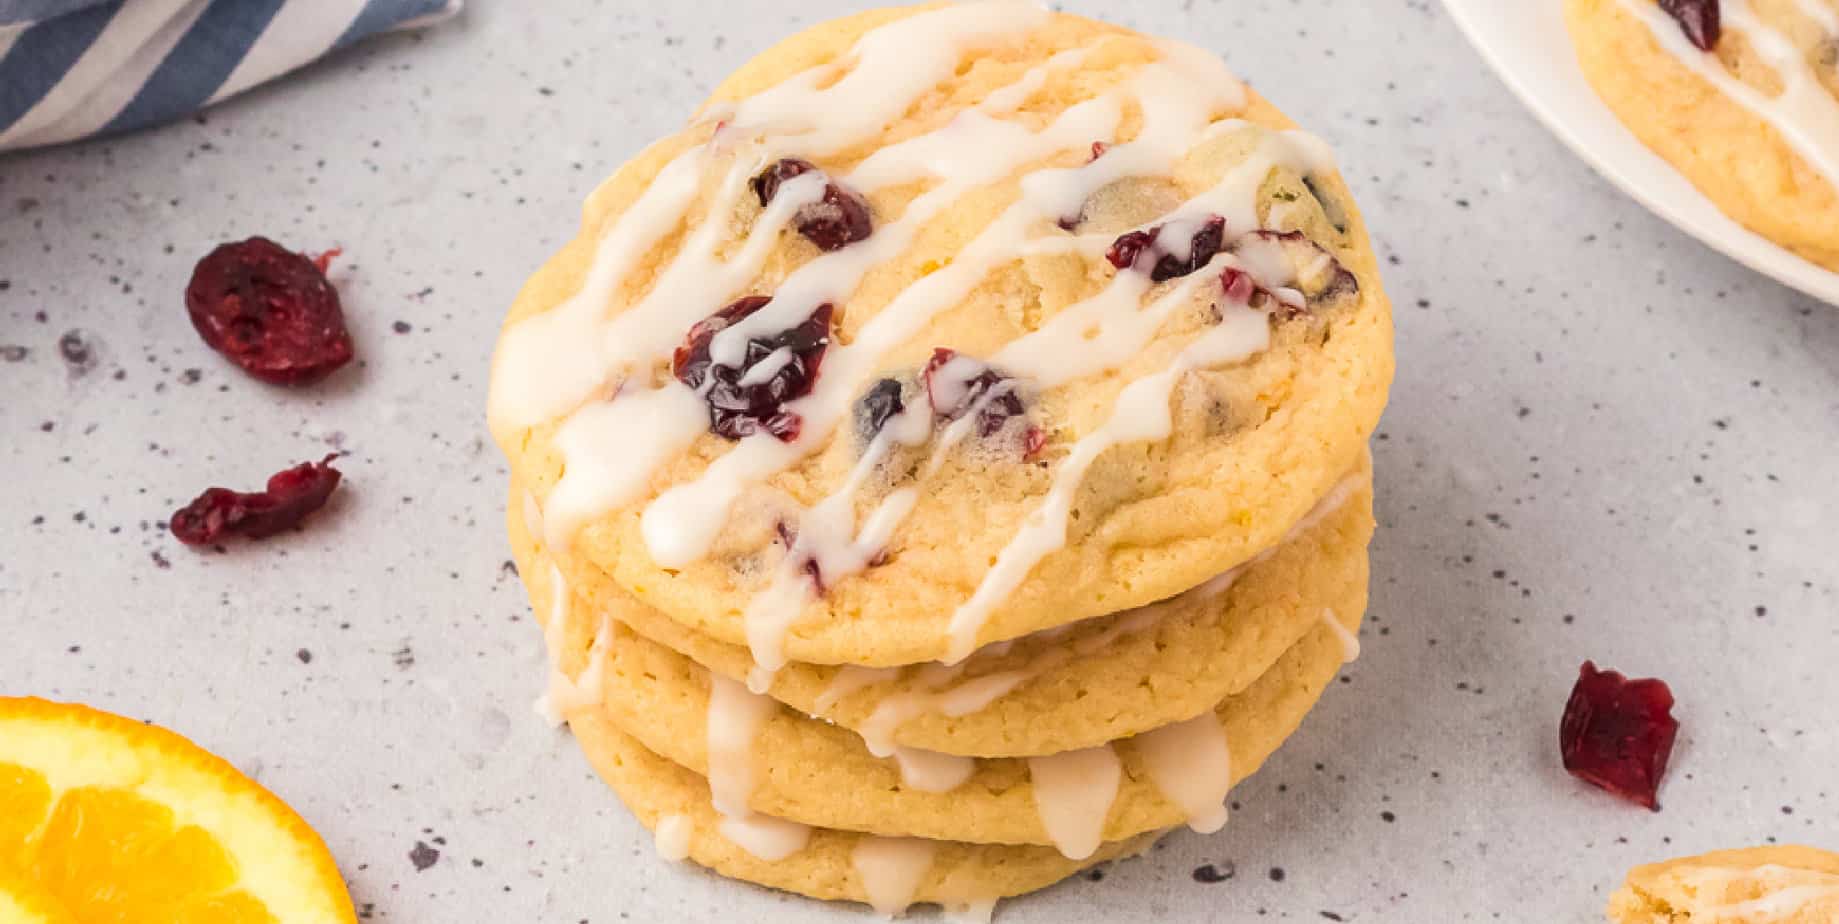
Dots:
pixel 1605 442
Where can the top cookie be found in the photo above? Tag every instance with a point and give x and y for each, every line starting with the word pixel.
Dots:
pixel 943 325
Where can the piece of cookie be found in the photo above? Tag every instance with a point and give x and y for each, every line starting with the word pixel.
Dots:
pixel 1742 96
pixel 941 326
pixel 1755 885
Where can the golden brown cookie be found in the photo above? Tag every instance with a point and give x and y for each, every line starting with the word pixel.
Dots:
pixel 1165 340
pixel 1755 885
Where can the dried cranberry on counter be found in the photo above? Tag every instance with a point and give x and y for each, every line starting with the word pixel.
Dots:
pixel 270 311
pixel 1617 733
pixel 290 497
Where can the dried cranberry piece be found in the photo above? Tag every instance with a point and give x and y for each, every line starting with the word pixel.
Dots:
pixel 1134 245
pixel 877 406
pixel 1315 278
pixel 957 384
pixel 741 403
pixel 788 536
pixel 289 498
pixel 1618 733
pixel 833 222
pixel 1699 19
pixel 270 311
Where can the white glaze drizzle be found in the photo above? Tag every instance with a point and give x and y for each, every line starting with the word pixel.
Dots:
pixel 848 679
pixel 1073 792
pixel 1350 643
pixel 1190 762
pixel 931 771
pixel 564 694
pixel 734 720
pixel 891 870
pixel 672 837
pixel 1823 15
pixel 768 838
pixel 1804 114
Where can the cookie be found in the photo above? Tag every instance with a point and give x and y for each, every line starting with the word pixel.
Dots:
pixel 941 326
pixel 888 873
pixel 821 774
pixel 1741 96
pixel 1094 682
pixel 1755 885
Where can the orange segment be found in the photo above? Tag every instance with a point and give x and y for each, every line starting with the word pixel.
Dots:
pixel 104 820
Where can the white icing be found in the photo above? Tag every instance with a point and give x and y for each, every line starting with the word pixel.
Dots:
pixel 1073 792
pixel 849 679
pixel 1350 643
pixel 893 65
pixel 672 837
pixel 1804 113
pixel 547 364
pixel 891 870
pixel 735 718
pixel 1823 15
pixel 1190 763
pixel 609 465
pixel 564 694
pixel 931 771
pixel 878 729
pixel 768 838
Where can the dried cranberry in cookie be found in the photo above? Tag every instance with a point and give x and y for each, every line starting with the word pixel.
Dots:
pixel 835 221
pixel 289 498
pixel 270 311
pixel 777 370
pixel 1699 19
pixel 1618 733
pixel 1178 248
pixel 1296 272
pixel 877 406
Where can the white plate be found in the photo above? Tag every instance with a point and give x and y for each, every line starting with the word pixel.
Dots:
pixel 1526 43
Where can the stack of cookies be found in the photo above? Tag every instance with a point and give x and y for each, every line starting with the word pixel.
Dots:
pixel 942 466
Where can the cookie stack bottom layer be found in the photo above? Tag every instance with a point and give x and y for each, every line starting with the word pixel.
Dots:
pixel 844 808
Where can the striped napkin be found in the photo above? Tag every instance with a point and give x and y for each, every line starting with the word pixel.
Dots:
pixel 73 68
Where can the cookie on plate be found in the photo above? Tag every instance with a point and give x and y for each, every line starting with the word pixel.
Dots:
pixel 1742 96
pixel 1755 885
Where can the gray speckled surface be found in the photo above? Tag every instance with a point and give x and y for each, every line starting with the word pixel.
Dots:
pixel 1605 442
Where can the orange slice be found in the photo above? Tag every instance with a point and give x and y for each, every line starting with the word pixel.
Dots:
pixel 104 820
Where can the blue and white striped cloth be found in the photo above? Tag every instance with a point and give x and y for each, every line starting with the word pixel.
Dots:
pixel 73 68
